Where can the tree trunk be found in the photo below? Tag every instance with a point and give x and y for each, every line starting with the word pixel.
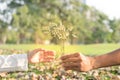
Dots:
pixel 4 39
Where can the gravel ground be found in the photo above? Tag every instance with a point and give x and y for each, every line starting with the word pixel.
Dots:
pixel 53 71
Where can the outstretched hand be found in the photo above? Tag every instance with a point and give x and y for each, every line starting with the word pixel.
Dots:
pixel 77 62
pixel 40 55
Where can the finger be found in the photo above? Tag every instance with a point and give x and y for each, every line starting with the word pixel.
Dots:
pixel 41 54
pixel 47 60
pixel 71 60
pixel 69 56
pixel 49 53
pixel 72 68
pixel 46 54
pixel 71 64
pixel 47 57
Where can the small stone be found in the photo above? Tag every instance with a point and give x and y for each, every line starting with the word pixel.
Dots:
pixel 63 78
pixel 40 77
pixel 20 74
pixel 3 74
pixel 118 72
pixel 27 77
pixel 95 73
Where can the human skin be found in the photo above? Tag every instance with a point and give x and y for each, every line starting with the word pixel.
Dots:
pixel 80 62
pixel 40 55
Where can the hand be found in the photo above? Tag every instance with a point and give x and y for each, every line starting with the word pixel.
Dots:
pixel 77 62
pixel 40 55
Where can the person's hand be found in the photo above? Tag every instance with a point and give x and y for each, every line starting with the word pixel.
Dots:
pixel 77 62
pixel 40 55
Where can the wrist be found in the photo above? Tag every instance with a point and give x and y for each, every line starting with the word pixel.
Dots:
pixel 92 62
pixel 96 63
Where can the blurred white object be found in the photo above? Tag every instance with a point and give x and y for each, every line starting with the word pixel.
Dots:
pixel 14 62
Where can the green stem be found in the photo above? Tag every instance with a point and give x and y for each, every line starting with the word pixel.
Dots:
pixel 63 47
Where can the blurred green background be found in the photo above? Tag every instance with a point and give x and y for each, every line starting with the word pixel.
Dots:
pixel 50 24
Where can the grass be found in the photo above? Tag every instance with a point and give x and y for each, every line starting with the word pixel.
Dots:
pixel 91 49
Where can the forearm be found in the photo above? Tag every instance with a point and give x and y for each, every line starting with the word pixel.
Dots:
pixel 110 59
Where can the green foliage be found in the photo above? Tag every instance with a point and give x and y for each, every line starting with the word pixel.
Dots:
pixel 115 26
pixel 84 24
